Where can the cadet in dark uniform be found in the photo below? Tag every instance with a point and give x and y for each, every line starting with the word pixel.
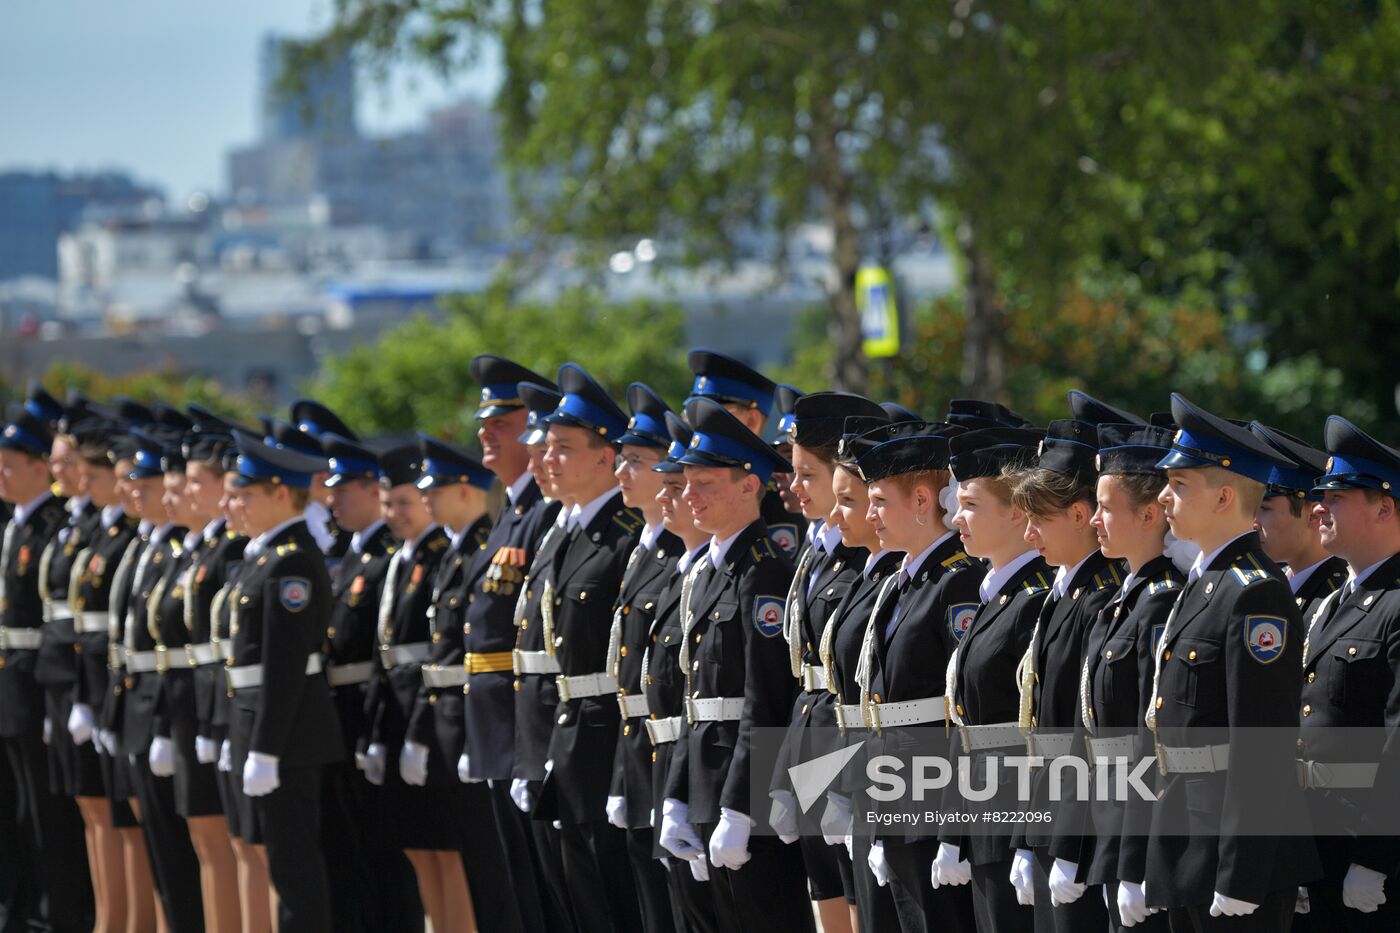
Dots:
pixel 1350 659
pixel 1117 651
pixel 173 860
pixel 45 861
pixel 1288 528
pixel 576 609
pixel 372 883
pixel 693 905
pixel 454 485
pixel 318 421
pixel 282 725
pixel 826 568
pixel 840 649
pixel 330 538
pixel 415 820
pixel 1228 659
pixel 739 679
pixel 785 399
pixel 489 627
pixel 748 395
pixel 179 616
pixel 649 569
pixel 983 696
pixel 917 620
pixel 1059 499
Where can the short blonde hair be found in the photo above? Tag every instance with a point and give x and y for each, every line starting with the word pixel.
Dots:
pixel 1249 492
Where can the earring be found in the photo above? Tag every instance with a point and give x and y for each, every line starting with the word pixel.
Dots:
pixel 921 522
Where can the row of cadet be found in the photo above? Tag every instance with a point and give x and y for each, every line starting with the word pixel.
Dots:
pixel 281 678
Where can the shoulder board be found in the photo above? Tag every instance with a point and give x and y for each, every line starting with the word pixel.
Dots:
pixel 1108 578
pixel 762 549
pixel 628 520
pixel 1161 585
pixel 1036 584
pixel 959 561
pixel 481 535
pixel 1247 571
pixel 437 544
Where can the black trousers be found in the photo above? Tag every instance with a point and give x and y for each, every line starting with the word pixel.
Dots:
pixel 541 911
pixel 1087 913
pixel 174 865
pixel 649 877
pixel 290 817
pixel 1159 922
pixel 372 884
pixel 44 866
pixel 692 903
pixel 891 907
pixel 599 881
pixel 946 910
pixel 484 860
pixel 1275 915
pixel 994 903
pixel 771 884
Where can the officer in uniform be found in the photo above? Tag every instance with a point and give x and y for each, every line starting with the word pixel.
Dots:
pixel 1346 747
pixel 1288 528
pixel 371 881
pixel 1228 659
pixel 915 624
pixel 748 395
pixel 982 690
pixel 45 846
pixel 649 569
pixel 454 485
pixel 738 676
pixel 282 725
pixel 692 905
pixel 488 629
pixel 330 537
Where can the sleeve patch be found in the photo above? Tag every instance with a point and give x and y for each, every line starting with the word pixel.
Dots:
pixel 960 617
pixel 784 537
pixel 768 615
pixel 294 593
pixel 1265 637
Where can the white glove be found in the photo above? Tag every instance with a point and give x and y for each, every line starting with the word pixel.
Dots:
pixel 879 867
pixel 1302 905
pixel 161 757
pixel 1063 888
pixel 80 723
pixel 836 818
pixel 1222 906
pixel 226 756
pixel 206 750
pixel 520 793
pixel 48 731
pixel 729 844
pixel 699 869
pixel 850 843
pixel 677 835
pixel 1132 906
pixel 1363 889
pixel 1021 875
pixel 260 774
pixel 616 810
pixel 375 764
pixel 949 867
pixel 360 759
pixel 413 764
pixel 464 770
pixel 782 816
pixel 109 742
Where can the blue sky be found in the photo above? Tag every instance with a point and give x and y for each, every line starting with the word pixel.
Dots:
pixel 161 88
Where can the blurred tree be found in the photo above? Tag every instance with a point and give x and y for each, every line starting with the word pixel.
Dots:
pixel 174 388
pixel 415 377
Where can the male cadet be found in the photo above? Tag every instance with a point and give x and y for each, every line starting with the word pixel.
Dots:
pixel 738 679
pixel 282 727
pixel 1224 688
pixel 489 625
pixel 785 398
pixel 331 541
pixel 748 395
pixel 315 419
pixel 1288 528
pixel 44 848
pixel 453 485
pixel 372 883
pixel 649 570
pixel 1351 695
pixel 576 609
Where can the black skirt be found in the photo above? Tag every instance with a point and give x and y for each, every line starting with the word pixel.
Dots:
pixel 196 784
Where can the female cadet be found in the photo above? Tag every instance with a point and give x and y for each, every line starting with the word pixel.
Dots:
pixel 826 570
pixel 1058 497
pixel 918 619
pixel 179 617
pixel 665 683
pixel 80 770
pixel 982 695
pixel 840 650
pixel 414 813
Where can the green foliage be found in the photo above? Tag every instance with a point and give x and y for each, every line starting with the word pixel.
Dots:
pixel 415 377
pixel 173 388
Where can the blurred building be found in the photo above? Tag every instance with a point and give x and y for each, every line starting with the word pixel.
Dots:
pixel 37 207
